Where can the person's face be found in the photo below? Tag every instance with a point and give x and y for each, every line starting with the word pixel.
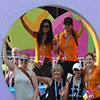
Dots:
pixel 15 52
pixel 57 74
pixel 77 72
pixel 24 60
pixel 67 27
pixel 45 27
pixel 89 61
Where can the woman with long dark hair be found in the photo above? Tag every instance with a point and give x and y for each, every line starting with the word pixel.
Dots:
pixel 49 34
pixel 44 44
pixel 68 43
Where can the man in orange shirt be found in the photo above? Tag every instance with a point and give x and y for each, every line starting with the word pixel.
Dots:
pixel 68 42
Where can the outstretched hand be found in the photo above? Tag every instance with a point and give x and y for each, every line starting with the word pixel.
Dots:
pixel 4 41
pixel 52 78
pixel 79 20
pixel 36 24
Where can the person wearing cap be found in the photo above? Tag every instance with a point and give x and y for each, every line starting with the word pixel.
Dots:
pixel 91 74
pixel 74 85
pixel 68 42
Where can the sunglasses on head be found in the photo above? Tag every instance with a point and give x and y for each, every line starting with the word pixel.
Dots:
pixel 26 60
pixel 45 26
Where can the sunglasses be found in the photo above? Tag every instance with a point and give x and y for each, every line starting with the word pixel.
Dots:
pixel 26 60
pixel 45 26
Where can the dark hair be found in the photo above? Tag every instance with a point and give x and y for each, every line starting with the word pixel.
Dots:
pixel 49 34
pixel 82 81
pixel 89 53
pixel 24 53
pixel 73 34
pixel 68 20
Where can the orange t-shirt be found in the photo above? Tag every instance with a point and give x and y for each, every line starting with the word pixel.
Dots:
pixel 94 80
pixel 71 48
pixel 47 52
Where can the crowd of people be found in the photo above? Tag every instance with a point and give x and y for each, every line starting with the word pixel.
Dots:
pixel 59 87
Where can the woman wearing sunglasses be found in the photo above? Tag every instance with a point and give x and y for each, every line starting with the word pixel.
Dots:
pixel 43 46
pixel 24 90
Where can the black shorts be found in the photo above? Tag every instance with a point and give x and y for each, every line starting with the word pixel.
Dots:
pixel 45 70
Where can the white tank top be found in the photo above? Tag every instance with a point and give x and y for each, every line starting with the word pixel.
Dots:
pixel 23 87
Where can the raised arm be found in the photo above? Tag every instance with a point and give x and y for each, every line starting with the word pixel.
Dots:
pixel 31 32
pixel 45 80
pixel 35 85
pixel 31 26
pixel 80 31
pixel 11 66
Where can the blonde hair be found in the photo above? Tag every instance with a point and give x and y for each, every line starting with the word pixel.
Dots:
pixel 24 53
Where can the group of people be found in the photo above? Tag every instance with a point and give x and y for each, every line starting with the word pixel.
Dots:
pixel 59 87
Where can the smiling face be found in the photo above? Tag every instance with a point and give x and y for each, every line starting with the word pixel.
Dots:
pixel 24 60
pixel 45 27
pixel 57 74
pixel 77 73
pixel 67 27
pixel 89 61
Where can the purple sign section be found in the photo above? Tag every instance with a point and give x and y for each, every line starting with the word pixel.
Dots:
pixel 31 52
pixel 13 9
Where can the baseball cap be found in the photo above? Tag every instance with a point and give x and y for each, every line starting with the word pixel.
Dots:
pixel 68 20
pixel 77 66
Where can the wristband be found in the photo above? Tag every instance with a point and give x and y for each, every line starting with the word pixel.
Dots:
pixel 55 44
pixel 4 47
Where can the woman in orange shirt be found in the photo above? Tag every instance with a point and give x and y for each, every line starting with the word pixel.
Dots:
pixel 68 42
pixel 44 44
pixel 91 74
